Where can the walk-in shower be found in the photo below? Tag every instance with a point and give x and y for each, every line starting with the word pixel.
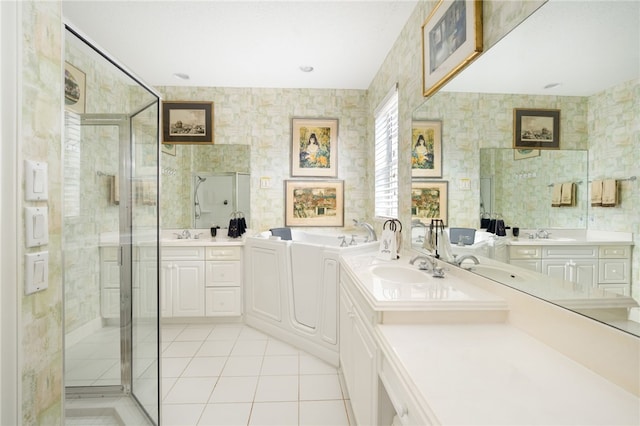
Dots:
pixel 110 238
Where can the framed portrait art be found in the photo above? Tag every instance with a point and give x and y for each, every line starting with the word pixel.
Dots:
pixel 429 200
pixel 451 40
pixel 314 203
pixel 426 149
pixel 314 147
pixel 187 122
pixel 536 128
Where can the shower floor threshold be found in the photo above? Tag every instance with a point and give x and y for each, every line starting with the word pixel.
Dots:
pixel 104 411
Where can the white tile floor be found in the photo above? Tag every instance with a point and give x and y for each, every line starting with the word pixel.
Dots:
pixel 232 374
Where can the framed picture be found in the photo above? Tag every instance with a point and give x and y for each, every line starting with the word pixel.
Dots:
pixel 74 89
pixel 429 200
pixel 169 148
pixel 314 203
pixel 187 122
pixel 521 154
pixel 451 40
pixel 426 149
pixel 314 147
pixel 536 128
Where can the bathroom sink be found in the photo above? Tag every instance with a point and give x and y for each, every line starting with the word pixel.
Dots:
pixel 399 274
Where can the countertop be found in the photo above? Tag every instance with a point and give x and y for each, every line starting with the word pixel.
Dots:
pixel 495 374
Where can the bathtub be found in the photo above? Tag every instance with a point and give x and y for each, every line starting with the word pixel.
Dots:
pixel 291 288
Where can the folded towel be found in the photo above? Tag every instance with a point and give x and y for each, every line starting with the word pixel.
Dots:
pixel 114 190
pixel 596 193
pixel 609 193
pixel 556 195
pixel 568 194
pixel 283 233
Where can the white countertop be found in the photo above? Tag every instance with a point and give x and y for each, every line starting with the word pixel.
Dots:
pixel 495 374
pixel 572 237
pixel 448 293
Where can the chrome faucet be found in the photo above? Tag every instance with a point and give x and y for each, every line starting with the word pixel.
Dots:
pixel 372 233
pixel 464 257
pixel 427 263
pixel 541 233
pixel 186 234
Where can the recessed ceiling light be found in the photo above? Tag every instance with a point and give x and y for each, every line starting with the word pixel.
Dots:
pixel 181 76
pixel 306 68
pixel 552 85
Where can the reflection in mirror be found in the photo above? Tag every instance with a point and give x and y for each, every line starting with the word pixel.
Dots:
pixel 599 116
pixel 218 196
pixel 180 165
pixel 518 187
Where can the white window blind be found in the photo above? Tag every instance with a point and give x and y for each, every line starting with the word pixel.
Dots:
pixel 386 156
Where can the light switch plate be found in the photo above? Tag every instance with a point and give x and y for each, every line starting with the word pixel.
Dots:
pixel 37 225
pixel 36 274
pixel 35 176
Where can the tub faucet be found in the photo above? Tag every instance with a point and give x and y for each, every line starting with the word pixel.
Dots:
pixel 372 233
pixel 464 257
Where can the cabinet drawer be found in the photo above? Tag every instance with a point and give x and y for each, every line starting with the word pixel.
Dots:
pixel 525 252
pixel 404 404
pixel 183 253
pixel 615 252
pixel 223 301
pixel 223 253
pixel 614 271
pixel 570 252
pixel 223 274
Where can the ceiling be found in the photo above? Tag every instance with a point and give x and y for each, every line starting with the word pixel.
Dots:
pixel 236 43
pixel 583 46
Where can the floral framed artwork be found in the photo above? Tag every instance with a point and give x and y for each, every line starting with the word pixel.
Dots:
pixel 314 203
pixel 521 154
pixel 451 39
pixel 536 128
pixel 74 89
pixel 426 149
pixel 429 200
pixel 187 122
pixel 314 147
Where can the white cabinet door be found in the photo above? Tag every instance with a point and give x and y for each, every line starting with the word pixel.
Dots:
pixel 358 359
pixel 582 272
pixel 188 289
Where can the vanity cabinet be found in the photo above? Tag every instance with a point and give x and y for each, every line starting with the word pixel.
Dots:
pixel 109 282
pixel 182 282
pixel 223 282
pixel 358 358
pixel 589 266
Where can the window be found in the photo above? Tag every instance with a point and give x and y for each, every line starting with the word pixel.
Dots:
pixel 386 156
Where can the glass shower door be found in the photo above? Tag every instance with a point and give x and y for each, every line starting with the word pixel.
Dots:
pixel 144 244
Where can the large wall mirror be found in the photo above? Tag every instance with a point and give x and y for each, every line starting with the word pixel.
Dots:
pixel 553 60
pixel 183 169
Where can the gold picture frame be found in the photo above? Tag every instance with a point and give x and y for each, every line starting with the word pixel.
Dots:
pixel 314 203
pixel 426 149
pixel 451 39
pixel 188 122
pixel 314 147
pixel 429 200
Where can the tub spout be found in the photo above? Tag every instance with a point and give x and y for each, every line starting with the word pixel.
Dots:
pixel 371 232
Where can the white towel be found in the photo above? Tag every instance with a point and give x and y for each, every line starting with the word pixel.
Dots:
pixel 388 249
pixel 556 195
pixel 596 193
pixel 609 193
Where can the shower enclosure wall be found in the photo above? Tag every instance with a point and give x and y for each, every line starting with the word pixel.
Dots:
pixel 217 196
pixel 110 233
